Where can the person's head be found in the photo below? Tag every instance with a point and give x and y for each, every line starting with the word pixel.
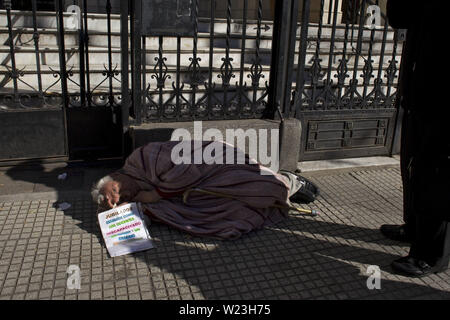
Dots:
pixel 114 189
pixel 106 192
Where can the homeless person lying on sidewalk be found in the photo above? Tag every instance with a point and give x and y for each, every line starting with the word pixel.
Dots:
pixel 149 176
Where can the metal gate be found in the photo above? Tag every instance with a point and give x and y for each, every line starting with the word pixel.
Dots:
pixel 78 74
pixel 197 60
pixel 57 97
pixel 333 64
pixel 346 79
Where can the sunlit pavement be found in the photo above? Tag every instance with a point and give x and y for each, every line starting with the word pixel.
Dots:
pixel 323 257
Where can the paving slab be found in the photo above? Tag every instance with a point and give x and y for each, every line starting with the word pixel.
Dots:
pixel 324 257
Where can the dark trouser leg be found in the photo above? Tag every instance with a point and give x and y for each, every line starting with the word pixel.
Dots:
pixel 406 157
pixel 432 242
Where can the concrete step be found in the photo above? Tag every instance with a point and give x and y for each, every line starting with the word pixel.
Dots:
pixel 98 22
pixel 26 55
pixel 100 39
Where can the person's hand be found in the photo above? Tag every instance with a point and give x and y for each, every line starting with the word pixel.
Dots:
pixel 111 192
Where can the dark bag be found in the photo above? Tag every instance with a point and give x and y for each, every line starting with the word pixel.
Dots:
pixel 307 193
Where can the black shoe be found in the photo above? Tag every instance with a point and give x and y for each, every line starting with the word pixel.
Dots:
pixel 413 267
pixel 395 232
pixel 308 192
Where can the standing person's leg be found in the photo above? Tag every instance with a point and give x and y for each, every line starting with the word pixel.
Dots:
pixel 430 249
pixel 431 243
pixel 429 190
pixel 405 232
pixel 406 159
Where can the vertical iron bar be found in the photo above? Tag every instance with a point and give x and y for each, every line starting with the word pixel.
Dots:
pixel 354 16
pixel 241 73
pixel 390 81
pixel 354 80
pixel 359 40
pixel 330 56
pixel 369 63
pixel 160 78
pixel 132 66
pixel 62 51
pixel 62 68
pixel 14 73
pixel 225 82
pixel 257 63
pixel 143 72
pixel 333 35
pixel 194 83
pixel 36 47
pixel 125 103
pixel 289 64
pixel 211 56
pixel 82 73
pixel 283 49
pixel 343 63
pixel 383 48
pixel 137 63
pixel 86 51
pixel 378 80
pixel 110 70
pixel 330 9
pixel 317 58
pixel 178 93
pixel 301 72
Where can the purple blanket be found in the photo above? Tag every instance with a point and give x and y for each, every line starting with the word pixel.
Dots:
pixel 205 215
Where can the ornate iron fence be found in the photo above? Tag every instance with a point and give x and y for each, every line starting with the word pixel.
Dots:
pixel 221 72
pixel 345 87
pixel 319 61
pixel 349 79
pixel 62 73
pixel 21 93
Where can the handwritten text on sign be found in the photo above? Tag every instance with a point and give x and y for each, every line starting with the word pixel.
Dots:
pixel 124 230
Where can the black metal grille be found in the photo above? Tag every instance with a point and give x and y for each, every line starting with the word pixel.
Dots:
pixel 61 74
pixel 346 79
pixel 349 79
pixel 225 78
pixel 16 91
pixel 221 72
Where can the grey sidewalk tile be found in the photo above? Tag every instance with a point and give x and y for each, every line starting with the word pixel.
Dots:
pixel 300 258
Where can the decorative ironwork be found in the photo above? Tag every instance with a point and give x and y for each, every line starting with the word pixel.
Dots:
pixel 232 86
pixel 348 92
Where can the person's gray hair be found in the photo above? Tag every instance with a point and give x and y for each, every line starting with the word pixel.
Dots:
pixel 97 196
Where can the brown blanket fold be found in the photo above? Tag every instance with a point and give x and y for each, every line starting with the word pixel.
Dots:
pixel 205 215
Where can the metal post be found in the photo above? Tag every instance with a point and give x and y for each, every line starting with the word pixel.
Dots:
pixel 36 47
pixel 14 74
pixel 136 40
pixel 125 103
pixel 301 59
pixel 86 51
pixel 62 68
pixel 283 45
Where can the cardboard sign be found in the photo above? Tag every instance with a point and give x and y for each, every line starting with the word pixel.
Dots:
pixel 124 230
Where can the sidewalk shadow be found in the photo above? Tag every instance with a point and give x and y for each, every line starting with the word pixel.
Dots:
pixel 278 262
pixel 74 187
pixel 273 263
